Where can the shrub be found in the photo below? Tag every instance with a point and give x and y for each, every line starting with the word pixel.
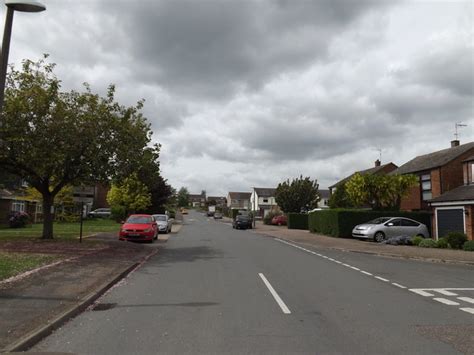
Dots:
pixel 67 217
pixel 18 219
pixel 468 246
pixel 456 239
pixel 268 218
pixel 118 213
pixel 416 240
pixel 442 243
pixel 428 243
pixel 298 221
pixel 340 222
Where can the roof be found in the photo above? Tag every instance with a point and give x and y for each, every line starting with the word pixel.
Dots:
pixel 5 194
pixel 461 193
pixel 265 191
pixel 215 198
pixel 240 195
pixel 324 193
pixel 434 160
pixel 371 171
pixel 471 158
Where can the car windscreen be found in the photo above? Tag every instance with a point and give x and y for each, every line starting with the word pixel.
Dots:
pixel 139 220
pixel 159 217
pixel 379 220
pixel 242 218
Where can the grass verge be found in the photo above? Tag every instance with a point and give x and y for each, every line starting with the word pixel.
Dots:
pixel 12 264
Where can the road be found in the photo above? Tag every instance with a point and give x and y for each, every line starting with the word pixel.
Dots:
pixel 215 290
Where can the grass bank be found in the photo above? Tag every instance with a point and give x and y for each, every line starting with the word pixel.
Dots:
pixel 12 264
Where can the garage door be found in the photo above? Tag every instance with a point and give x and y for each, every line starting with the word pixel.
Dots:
pixel 451 220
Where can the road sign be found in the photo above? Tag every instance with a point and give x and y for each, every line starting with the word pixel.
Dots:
pixel 84 194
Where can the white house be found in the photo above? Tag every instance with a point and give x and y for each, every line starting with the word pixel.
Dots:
pixel 262 201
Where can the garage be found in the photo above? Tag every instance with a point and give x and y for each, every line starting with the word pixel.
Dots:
pixel 450 220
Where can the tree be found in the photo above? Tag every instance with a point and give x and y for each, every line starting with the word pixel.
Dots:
pixel 300 194
pixel 339 198
pixel 183 197
pixel 131 195
pixel 379 191
pixel 53 139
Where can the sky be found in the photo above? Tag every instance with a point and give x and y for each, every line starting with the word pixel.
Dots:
pixel 248 93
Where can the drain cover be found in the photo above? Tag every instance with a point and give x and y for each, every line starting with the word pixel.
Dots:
pixel 104 306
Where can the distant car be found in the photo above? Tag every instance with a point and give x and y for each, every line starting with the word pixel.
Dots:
pixel 210 213
pixel 279 220
pixel 217 215
pixel 100 213
pixel 383 228
pixel 163 222
pixel 242 222
pixel 139 227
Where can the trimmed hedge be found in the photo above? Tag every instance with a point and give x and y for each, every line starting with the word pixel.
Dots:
pixel 340 222
pixel 298 221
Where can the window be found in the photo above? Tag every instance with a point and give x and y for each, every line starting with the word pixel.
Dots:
pixel 425 180
pixel 408 223
pixel 471 179
pixel 18 206
pixel 395 222
pixel 265 200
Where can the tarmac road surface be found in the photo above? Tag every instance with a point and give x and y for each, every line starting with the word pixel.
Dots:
pixel 216 290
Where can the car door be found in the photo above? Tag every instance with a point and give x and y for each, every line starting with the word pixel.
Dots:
pixel 393 228
pixel 410 228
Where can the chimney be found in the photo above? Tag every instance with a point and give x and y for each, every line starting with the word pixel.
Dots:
pixel 454 143
pixel 377 162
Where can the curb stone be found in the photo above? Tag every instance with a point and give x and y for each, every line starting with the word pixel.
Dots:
pixel 32 338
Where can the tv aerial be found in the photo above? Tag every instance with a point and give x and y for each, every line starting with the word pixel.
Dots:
pixel 456 126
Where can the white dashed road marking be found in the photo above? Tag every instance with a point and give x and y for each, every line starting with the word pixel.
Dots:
pixel 425 292
pixel 277 298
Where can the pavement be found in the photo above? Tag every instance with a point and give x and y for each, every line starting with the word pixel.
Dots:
pixel 35 303
pixel 216 290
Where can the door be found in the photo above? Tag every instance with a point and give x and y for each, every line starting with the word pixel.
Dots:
pixel 393 228
pixel 410 228
pixel 450 220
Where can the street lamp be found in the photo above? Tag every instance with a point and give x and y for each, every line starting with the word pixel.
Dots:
pixel 13 5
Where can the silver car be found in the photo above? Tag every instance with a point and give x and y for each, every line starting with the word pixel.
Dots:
pixel 383 228
pixel 163 222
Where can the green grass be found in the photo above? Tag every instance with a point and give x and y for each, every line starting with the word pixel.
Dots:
pixel 12 264
pixel 62 231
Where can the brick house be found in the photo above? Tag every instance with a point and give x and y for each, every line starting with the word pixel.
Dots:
pixel 195 200
pixel 378 169
pixel 453 211
pixel 221 201
pixel 16 202
pixel 238 200
pixel 438 172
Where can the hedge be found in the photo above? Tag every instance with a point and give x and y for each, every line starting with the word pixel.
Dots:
pixel 340 222
pixel 298 221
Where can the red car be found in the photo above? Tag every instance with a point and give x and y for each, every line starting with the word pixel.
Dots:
pixel 279 220
pixel 141 227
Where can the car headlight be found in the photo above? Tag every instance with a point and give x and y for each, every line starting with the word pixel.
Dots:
pixel 148 230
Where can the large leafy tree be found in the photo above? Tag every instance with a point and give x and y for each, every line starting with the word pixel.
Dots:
pixel 131 194
pixel 339 198
pixel 379 191
pixel 297 195
pixel 183 197
pixel 52 138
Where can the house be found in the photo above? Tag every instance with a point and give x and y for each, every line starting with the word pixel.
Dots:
pixel 453 211
pixel 195 200
pixel 378 169
pixel 220 201
pixel 263 201
pixel 438 173
pixel 238 200
pixel 16 202
pixel 323 198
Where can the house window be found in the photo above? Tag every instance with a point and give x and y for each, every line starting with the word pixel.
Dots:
pixel 18 206
pixel 471 178
pixel 426 187
pixel 265 200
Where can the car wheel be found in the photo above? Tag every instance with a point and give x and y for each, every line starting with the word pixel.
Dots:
pixel 379 237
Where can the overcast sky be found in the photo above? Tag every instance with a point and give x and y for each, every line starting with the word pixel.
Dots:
pixel 249 93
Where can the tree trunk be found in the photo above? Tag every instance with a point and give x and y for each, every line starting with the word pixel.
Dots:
pixel 47 216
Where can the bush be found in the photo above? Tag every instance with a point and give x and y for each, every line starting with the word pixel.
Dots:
pixel 468 246
pixel 118 213
pixel 456 239
pixel 416 240
pixel 442 243
pixel 18 219
pixel 428 243
pixel 67 217
pixel 268 218
pixel 340 222
pixel 298 221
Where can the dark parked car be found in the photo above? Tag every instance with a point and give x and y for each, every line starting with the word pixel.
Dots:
pixel 242 222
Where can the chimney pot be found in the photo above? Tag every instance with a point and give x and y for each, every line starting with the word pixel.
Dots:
pixel 377 162
pixel 454 143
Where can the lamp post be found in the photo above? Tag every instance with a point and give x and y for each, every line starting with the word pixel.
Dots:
pixel 13 5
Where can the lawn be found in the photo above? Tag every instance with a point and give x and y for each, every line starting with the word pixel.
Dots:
pixel 62 230
pixel 12 264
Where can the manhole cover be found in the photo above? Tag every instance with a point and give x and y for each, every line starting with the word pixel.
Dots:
pixel 104 306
